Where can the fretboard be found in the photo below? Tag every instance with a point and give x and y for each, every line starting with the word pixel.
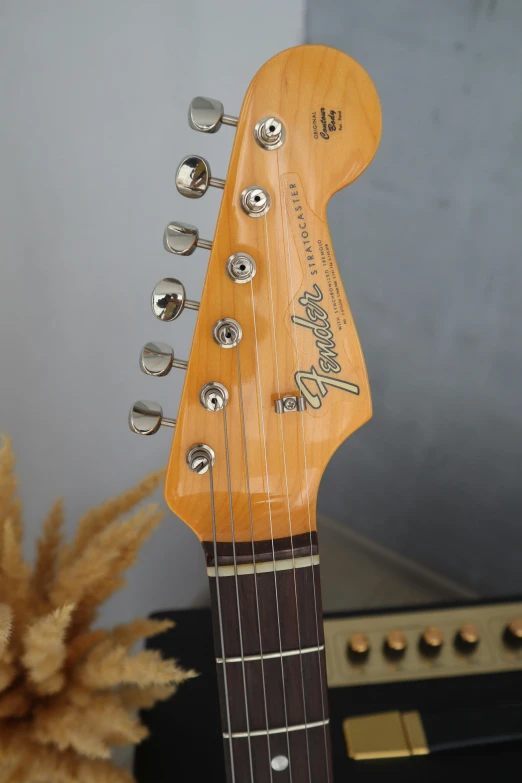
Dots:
pixel 269 643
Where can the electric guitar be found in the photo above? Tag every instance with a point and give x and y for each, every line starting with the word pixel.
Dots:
pixel 275 382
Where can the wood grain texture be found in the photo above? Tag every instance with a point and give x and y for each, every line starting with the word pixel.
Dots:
pixel 262 551
pixel 298 332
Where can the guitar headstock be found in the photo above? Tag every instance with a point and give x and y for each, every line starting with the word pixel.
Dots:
pixel 276 378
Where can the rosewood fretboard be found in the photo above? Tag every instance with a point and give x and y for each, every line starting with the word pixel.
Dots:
pixel 268 635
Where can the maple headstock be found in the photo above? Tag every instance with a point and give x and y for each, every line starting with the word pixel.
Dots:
pixel 298 339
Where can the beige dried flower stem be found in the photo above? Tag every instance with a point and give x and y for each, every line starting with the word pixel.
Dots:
pixel 67 692
pixel 48 550
pixel 96 520
pixel 128 634
pixel 15 578
pixel 5 626
pixel 107 666
pixel 45 650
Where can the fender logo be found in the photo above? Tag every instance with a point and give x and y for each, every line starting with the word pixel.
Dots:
pixel 322 382
pixel 317 321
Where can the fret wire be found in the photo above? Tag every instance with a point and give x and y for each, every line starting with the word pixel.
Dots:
pixel 227 457
pixel 311 661
pixel 280 730
pixel 296 342
pixel 247 476
pixel 220 620
pixel 267 656
pixel 281 427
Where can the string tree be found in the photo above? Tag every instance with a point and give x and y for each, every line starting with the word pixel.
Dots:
pixel 290 403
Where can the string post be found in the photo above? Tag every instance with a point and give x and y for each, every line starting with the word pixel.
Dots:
pixel 200 458
pixel 213 396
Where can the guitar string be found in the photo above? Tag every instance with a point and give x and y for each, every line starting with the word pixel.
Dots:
pixel 260 404
pixel 278 384
pixel 238 603
pixel 220 622
pixel 296 341
pixel 247 476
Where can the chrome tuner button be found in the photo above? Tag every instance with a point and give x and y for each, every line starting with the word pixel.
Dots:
pixel 182 239
pixel 207 115
pixel 241 267
pixel 193 177
pixel 145 418
pixel 213 396
pixel 269 133
pixel 255 201
pixel 227 333
pixel 200 457
pixel 168 299
pixel 158 359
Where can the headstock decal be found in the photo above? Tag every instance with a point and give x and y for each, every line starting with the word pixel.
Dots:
pixel 322 291
pixel 298 352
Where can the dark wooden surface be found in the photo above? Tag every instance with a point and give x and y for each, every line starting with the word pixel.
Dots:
pixel 262 551
pixel 185 743
pixel 264 614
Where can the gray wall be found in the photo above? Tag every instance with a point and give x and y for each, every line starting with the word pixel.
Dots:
pixel 93 98
pixel 429 243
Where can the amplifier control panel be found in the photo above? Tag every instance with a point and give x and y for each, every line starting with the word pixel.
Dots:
pixel 418 645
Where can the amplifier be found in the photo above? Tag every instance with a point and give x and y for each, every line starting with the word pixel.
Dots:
pixel 414 696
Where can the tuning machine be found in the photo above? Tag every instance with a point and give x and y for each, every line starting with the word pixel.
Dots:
pixel 193 177
pixel 182 239
pixel 168 299
pixel 207 115
pixel 158 359
pixel 145 418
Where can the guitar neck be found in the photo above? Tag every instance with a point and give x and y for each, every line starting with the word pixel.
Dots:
pixel 269 642
pixel 292 387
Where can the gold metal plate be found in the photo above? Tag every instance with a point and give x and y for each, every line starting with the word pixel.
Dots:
pixel 491 654
pixel 385 735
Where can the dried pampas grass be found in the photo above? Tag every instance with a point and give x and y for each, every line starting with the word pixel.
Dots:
pixel 67 692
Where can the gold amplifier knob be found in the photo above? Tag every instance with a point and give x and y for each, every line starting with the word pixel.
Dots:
pixel 468 637
pixel 513 632
pixel 395 644
pixel 358 646
pixel 432 640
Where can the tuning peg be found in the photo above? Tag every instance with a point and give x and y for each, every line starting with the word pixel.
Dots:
pixel 168 299
pixel 182 239
pixel 207 115
pixel 193 177
pixel 145 418
pixel 158 359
